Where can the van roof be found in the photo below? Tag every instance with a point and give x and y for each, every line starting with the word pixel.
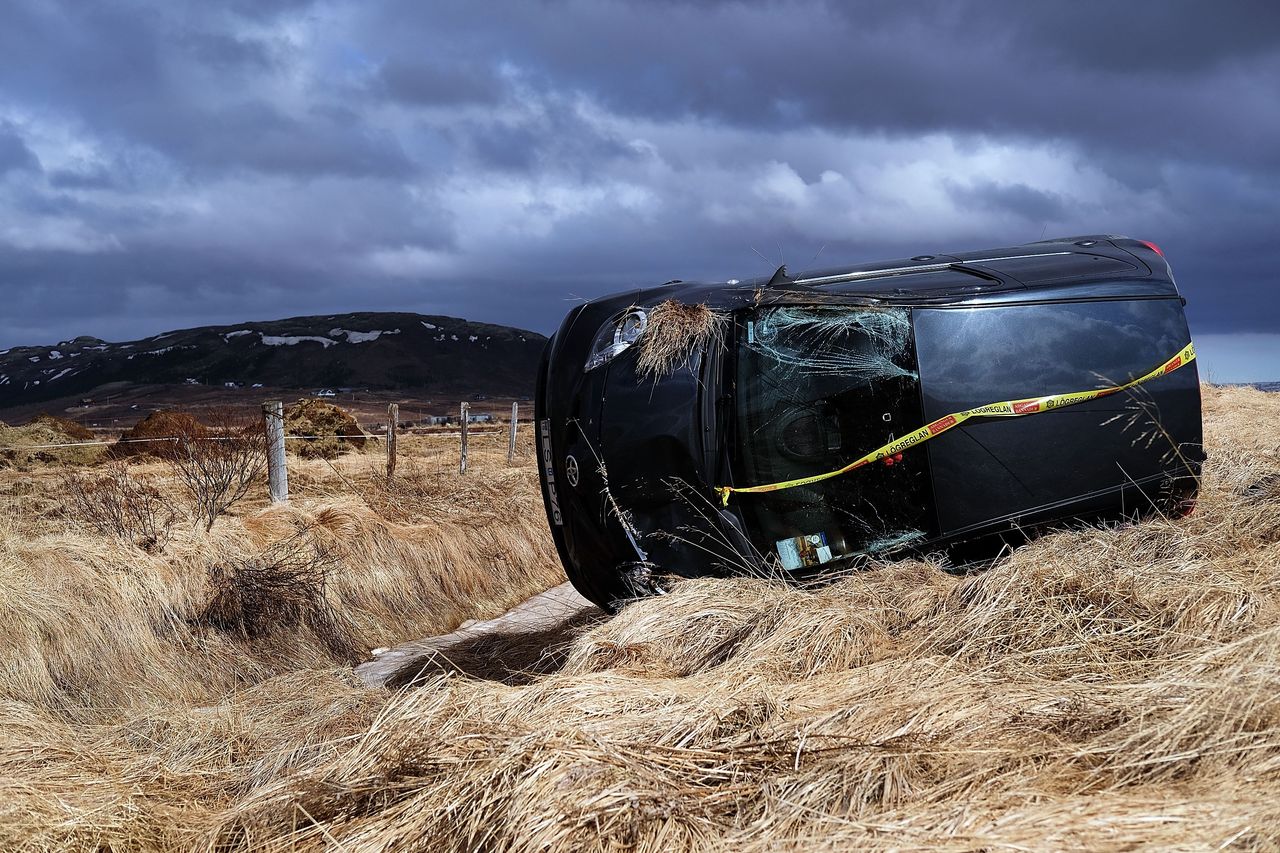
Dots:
pixel 1107 266
pixel 1036 263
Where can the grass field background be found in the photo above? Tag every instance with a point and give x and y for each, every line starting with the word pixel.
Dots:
pixel 1103 688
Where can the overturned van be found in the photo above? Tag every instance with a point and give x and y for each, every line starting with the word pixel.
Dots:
pixel 803 423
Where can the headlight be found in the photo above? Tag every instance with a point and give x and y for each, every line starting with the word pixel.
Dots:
pixel 615 337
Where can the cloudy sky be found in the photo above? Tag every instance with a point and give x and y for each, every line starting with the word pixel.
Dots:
pixel 172 164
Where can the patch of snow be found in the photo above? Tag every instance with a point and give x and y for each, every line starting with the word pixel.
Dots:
pixel 455 337
pixel 237 333
pixel 159 337
pixel 54 354
pixel 160 351
pixel 62 373
pixel 472 338
pixel 101 347
pixel 34 359
pixel 4 380
pixel 440 337
pixel 427 325
pixel 76 355
pixel 291 340
pixel 361 337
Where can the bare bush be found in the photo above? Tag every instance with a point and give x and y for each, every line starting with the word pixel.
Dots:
pixel 217 465
pixel 116 502
pixel 282 588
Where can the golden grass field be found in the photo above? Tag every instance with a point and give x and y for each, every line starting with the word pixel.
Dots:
pixel 1098 688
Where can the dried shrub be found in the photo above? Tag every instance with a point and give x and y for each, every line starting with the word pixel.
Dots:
pixel 280 589
pixel 216 465
pixel 675 332
pixel 116 502
pixel 326 430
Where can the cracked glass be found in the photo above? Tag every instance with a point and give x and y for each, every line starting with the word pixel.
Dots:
pixel 816 387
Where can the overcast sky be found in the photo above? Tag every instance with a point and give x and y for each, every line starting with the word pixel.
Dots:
pixel 171 164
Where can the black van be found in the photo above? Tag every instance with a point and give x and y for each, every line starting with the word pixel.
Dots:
pixel 802 423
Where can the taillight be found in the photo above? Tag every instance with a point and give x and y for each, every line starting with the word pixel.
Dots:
pixel 1152 246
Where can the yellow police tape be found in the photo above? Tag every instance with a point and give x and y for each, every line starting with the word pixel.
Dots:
pixel 1007 409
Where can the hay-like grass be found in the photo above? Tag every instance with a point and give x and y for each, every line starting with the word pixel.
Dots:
pixel 675 332
pixel 1097 689
pixel 33 446
pixel 324 429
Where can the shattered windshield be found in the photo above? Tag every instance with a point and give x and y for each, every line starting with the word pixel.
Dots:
pixel 816 388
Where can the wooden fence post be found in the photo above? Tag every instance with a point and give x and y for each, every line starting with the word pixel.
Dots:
pixel 393 426
pixel 511 439
pixel 277 469
pixel 462 419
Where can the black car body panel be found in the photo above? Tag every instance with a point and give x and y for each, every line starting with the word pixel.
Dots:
pixel 818 368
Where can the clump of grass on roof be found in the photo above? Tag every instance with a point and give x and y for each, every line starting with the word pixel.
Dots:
pixel 39 443
pixel 69 428
pixel 675 332
pixel 327 430
pixel 158 435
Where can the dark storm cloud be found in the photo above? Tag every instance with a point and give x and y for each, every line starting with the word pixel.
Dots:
pixel 168 164
pixel 419 82
pixel 14 153
pixel 1027 202
pixel 1087 71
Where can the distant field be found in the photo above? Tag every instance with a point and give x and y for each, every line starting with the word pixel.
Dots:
pixel 1099 688
pixel 118 407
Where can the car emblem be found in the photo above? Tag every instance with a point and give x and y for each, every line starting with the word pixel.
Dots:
pixel 571 470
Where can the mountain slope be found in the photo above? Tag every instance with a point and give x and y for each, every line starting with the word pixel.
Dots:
pixel 365 350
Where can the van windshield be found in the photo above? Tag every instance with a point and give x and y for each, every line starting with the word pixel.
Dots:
pixel 816 388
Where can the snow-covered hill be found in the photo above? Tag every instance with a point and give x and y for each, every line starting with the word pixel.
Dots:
pixel 371 350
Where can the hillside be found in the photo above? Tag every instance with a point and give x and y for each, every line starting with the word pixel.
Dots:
pixel 366 350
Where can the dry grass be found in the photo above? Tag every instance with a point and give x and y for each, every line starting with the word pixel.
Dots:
pixel 674 333
pixel 326 429
pixel 27 448
pixel 1097 689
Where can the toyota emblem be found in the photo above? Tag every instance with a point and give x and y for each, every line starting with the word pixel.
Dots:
pixel 571 470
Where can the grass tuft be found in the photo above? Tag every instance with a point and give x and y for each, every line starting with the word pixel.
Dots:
pixel 675 332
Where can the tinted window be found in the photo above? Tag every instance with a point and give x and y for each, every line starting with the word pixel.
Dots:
pixel 817 388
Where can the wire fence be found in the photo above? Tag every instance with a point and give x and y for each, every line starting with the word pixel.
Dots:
pixel 175 438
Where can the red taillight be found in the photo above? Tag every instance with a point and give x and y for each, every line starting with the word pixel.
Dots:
pixel 1152 246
